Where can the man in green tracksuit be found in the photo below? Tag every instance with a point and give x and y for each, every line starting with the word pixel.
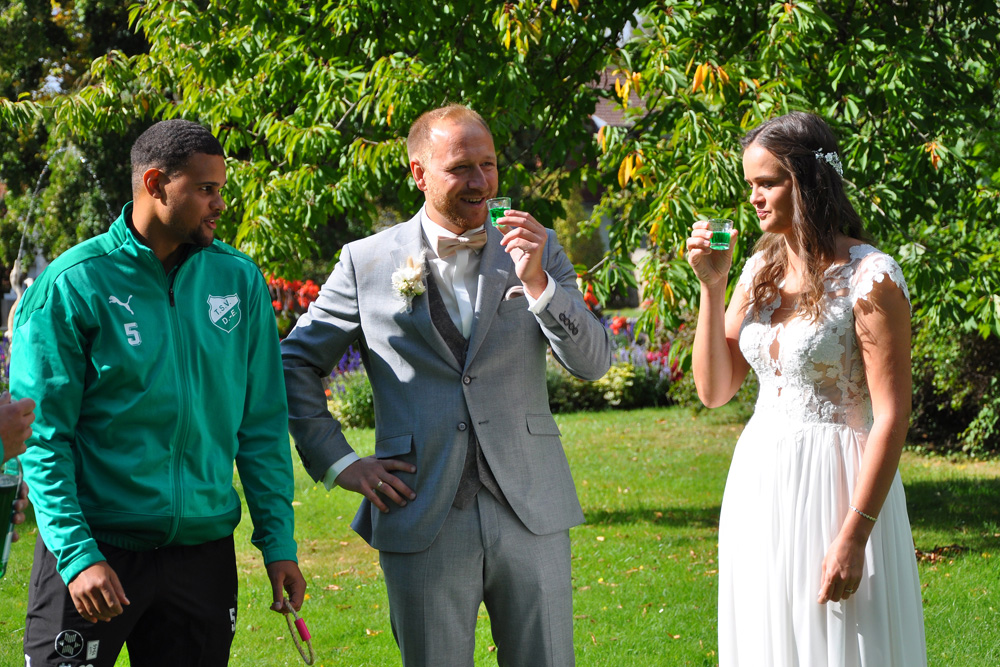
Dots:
pixel 151 352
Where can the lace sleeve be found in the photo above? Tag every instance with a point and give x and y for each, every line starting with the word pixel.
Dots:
pixel 876 267
pixel 749 270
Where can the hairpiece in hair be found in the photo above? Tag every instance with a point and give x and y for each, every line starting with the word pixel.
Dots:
pixel 832 159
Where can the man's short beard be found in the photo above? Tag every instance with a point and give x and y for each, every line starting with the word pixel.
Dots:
pixel 451 215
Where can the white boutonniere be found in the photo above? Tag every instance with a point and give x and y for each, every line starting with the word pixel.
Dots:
pixel 408 280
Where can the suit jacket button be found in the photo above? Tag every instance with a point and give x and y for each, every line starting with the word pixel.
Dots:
pixel 467 380
pixel 462 426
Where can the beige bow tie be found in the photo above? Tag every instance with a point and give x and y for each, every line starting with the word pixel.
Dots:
pixel 449 245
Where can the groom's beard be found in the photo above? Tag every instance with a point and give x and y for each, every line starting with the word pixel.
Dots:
pixel 459 213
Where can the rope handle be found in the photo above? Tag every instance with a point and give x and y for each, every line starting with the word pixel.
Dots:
pixel 299 628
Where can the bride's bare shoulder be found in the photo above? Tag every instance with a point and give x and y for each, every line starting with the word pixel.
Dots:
pixel 845 244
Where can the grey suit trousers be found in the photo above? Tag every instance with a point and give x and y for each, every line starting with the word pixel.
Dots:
pixel 483 554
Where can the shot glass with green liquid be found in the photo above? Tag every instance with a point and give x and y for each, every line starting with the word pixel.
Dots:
pixel 722 232
pixel 497 207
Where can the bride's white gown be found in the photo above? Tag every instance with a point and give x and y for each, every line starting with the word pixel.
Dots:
pixel 788 491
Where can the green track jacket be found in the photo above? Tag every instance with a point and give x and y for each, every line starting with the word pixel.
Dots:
pixel 148 387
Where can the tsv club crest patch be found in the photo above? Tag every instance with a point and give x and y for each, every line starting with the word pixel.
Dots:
pixel 224 311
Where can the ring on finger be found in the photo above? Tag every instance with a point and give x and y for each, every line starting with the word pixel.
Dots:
pixel 379 485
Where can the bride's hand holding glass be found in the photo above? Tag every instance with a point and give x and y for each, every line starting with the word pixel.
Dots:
pixel 710 266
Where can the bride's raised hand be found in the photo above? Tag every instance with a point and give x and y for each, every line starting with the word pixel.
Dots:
pixel 710 266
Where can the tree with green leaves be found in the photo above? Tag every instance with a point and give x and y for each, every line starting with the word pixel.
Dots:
pixel 313 101
pixel 909 87
pixel 47 53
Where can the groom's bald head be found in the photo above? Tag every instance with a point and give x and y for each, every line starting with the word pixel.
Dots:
pixel 418 141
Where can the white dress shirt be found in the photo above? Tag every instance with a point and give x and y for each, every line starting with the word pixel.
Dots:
pixel 457 278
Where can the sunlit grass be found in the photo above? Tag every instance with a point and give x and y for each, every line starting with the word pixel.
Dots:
pixel 644 565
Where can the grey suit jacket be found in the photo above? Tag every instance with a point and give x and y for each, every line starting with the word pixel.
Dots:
pixel 425 403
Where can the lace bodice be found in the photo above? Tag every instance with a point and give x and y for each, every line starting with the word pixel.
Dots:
pixel 812 372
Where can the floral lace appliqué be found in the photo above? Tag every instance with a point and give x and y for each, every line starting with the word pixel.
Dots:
pixel 812 372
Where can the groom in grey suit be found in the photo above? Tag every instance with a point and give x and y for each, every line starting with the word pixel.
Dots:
pixel 468 497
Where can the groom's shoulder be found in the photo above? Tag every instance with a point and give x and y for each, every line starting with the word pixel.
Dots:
pixel 385 238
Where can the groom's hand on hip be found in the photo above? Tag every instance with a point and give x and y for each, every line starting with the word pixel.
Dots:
pixel 371 478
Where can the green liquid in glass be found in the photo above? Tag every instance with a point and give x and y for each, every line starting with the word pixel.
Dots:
pixel 720 241
pixel 496 214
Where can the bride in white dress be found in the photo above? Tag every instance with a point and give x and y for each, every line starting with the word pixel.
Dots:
pixel 816 558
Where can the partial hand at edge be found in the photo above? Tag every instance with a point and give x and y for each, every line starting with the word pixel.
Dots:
pixel 97 594
pixel 285 577
pixel 363 476
pixel 15 424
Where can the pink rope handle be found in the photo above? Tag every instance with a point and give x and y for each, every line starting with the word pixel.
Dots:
pixel 299 627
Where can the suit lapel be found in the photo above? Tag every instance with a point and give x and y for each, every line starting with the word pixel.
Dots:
pixel 410 245
pixel 494 270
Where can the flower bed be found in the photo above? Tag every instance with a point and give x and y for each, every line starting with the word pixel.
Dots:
pixel 641 374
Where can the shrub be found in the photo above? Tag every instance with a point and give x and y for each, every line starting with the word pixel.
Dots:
pixel 956 393
pixel 350 394
pixel 650 387
pixel 640 374
pixel 567 393
pixel 683 390
pixel 350 400
pixel 625 386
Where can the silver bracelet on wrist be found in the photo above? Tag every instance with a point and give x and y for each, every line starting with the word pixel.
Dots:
pixel 867 516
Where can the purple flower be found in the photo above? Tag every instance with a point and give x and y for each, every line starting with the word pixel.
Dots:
pixel 351 361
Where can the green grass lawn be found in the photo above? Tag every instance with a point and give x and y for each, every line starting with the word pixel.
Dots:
pixel 644 567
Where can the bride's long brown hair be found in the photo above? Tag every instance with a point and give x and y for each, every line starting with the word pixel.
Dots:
pixel 821 207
